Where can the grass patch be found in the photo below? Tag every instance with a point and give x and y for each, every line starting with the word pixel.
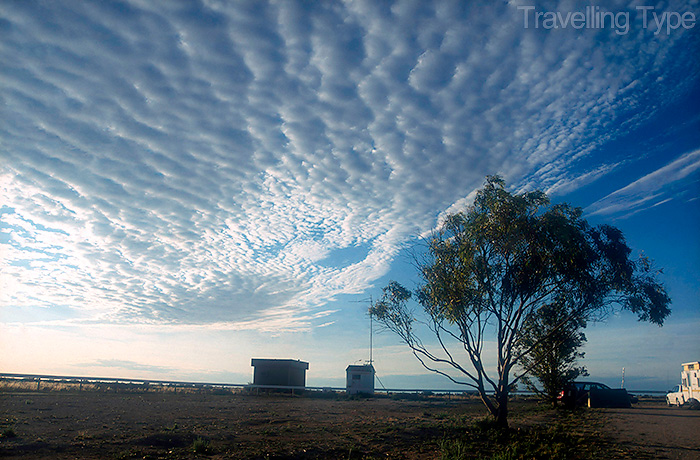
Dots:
pixel 482 439
pixel 454 449
pixel 201 446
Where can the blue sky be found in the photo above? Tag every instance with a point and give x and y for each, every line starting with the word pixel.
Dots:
pixel 187 185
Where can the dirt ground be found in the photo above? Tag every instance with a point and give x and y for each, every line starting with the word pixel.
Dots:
pixel 165 425
pixel 656 431
pixel 91 425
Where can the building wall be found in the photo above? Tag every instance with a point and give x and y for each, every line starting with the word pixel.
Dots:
pixel 360 379
pixel 279 372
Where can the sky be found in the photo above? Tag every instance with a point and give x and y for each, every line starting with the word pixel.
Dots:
pixel 187 185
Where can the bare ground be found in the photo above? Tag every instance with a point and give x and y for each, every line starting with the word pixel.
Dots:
pixel 147 425
pixel 653 430
pixel 166 425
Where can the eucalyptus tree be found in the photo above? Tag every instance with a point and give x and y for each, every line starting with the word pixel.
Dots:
pixel 487 272
pixel 553 338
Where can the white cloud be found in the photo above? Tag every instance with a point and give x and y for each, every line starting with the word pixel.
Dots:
pixel 197 164
pixel 677 179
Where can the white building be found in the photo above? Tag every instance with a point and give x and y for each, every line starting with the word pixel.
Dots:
pixel 360 379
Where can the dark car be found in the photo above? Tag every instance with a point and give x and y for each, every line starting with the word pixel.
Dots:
pixel 594 394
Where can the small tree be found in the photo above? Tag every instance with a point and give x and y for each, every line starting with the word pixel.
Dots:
pixel 553 338
pixel 492 268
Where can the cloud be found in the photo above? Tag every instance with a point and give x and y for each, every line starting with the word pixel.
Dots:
pixel 675 180
pixel 193 164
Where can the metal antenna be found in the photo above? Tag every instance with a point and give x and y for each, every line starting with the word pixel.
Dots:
pixel 370 331
pixel 371 325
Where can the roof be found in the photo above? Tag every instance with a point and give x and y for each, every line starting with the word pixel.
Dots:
pixel 360 368
pixel 282 362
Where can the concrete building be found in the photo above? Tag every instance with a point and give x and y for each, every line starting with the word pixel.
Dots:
pixel 360 379
pixel 282 372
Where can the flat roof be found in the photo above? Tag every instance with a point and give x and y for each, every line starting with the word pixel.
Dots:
pixel 360 367
pixel 282 362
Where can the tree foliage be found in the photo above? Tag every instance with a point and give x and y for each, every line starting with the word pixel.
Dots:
pixel 491 269
pixel 553 338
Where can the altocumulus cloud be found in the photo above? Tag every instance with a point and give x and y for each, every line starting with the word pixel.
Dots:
pixel 205 163
pixel 654 189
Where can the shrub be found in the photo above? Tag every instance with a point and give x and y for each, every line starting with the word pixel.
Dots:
pixel 201 446
pixel 454 449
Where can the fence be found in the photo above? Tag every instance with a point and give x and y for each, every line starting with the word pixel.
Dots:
pixel 37 382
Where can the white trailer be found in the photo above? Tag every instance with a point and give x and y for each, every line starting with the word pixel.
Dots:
pixel 688 392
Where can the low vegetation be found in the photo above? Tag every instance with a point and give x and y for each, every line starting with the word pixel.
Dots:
pixel 201 446
pixel 557 440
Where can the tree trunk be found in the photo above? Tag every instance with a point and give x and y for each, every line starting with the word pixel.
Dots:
pixel 554 399
pixel 502 410
pixel 502 399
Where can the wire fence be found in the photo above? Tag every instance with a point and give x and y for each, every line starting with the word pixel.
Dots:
pixel 38 382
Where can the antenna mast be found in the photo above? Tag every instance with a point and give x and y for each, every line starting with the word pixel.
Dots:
pixel 370 331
